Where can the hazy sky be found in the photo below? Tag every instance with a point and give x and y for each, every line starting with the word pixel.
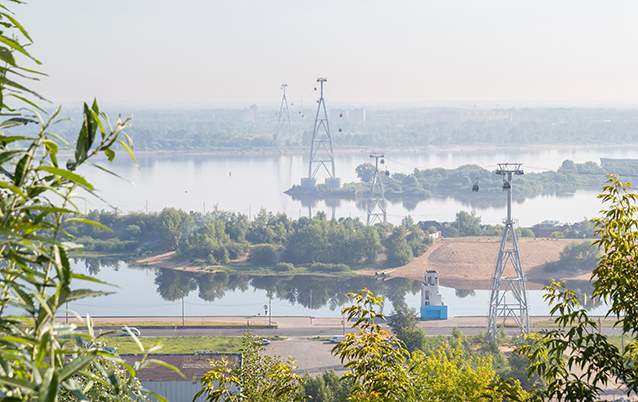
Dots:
pixel 392 52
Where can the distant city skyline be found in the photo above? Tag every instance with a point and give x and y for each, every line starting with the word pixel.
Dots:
pixel 233 53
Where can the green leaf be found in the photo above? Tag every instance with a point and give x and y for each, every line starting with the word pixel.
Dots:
pixel 107 170
pixel 52 148
pixel 49 387
pixel 166 366
pixel 73 177
pixel 128 149
pixel 91 223
pixel 16 46
pixel 110 154
pixel 5 156
pixel 77 294
pixel 7 56
pixel 18 383
pixel 17 24
pixel 21 169
pixel 88 278
pixel 75 366
pixel 12 187
pixel 91 125
pixel 155 395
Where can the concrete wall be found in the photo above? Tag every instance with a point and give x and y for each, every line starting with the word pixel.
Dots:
pixel 175 391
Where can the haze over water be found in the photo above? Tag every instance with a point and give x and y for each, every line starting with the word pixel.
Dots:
pixel 247 183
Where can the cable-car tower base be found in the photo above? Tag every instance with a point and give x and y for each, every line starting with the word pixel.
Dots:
pixel 375 203
pixel 508 300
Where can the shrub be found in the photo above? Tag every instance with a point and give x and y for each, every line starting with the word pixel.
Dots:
pixel 284 267
pixel 263 254
pixel 236 250
pixel 321 267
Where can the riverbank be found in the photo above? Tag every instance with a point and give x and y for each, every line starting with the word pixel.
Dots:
pixel 468 262
pixel 462 263
pixel 169 260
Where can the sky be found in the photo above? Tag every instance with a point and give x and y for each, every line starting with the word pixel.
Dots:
pixel 386 53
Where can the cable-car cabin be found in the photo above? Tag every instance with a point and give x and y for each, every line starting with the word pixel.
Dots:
pixel 475 187
pixel 506 185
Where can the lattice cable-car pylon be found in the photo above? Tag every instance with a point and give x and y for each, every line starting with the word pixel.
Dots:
pixel 508 299
pixel 321 151
pixel 375 204
pixel 284 127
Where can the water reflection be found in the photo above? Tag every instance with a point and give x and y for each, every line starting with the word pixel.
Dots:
pixel 147 291
pixel 168 180
pixel 311 292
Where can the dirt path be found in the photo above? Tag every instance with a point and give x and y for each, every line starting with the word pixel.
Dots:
pixel 468 262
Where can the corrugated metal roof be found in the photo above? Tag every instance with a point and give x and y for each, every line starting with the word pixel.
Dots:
pixel 193 366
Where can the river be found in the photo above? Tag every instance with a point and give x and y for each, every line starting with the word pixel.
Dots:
pixel 141 291
pixel 248 183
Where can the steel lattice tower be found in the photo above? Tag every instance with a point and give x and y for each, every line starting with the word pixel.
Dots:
pixel 508 287
pixel 321 150
pixel 283 120
pixel 375 204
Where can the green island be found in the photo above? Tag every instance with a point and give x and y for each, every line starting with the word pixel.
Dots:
pixel 274 244
pixel 457 183
pixel 269 243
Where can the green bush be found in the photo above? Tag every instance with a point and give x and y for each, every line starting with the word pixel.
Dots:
pixel 284 267
pixel 321 267
pixel 263 254
pixel 236 250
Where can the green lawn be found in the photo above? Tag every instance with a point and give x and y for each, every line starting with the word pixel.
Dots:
pixel 175 344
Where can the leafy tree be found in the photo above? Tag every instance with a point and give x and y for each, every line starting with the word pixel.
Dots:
pixel 260 378
pixel 374 358
pixel 40 358
pixel 327 387
pixel 365 172
pixel 380 367
pixel 403 324
pixel 575 360
pixel 175 223
pixel 397 247
pixel 263 254
pixel 468 224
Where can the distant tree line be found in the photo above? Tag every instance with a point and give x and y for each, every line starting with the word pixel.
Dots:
pixel 469 224
pixel 253 128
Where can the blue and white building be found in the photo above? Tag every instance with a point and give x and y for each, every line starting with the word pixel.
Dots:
pixel 432 306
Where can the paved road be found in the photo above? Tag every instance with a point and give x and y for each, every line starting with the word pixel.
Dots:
pixel 309 331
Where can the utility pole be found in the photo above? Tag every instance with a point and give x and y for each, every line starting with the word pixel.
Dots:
pixel 375 204
pixel 512 286
pixel 283 120
pixel 270 311
pixel 321 147
pixel 183 323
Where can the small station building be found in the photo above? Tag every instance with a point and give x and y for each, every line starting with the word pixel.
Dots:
pixel 432 306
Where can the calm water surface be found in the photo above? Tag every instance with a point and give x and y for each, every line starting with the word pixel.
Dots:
pixel 248 183
pixel 153 292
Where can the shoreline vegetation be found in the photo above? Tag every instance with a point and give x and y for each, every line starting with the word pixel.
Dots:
pixel 273 245
pixel 458 183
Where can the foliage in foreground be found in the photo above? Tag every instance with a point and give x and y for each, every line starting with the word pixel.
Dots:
pixel 379 368
pixel 258 378
pixel 575 360
pixel 40 358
